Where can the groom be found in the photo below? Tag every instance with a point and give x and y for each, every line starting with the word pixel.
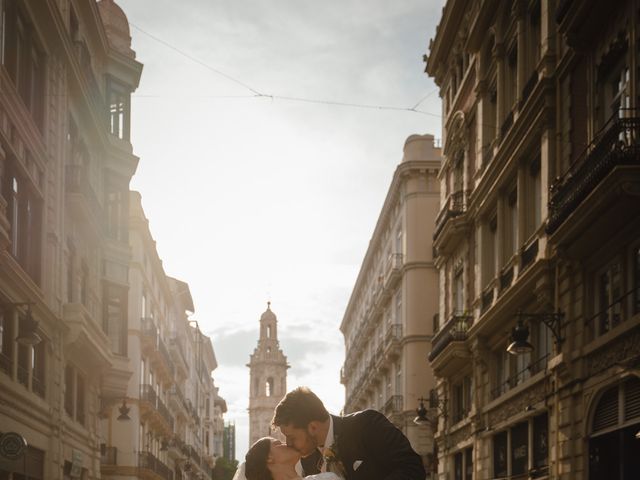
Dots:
pixel 360 446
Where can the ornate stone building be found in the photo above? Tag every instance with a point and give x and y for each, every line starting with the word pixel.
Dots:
pixel 100 370
pixel 388 323
pixel 66 75
pixel 267 378
pixel 538 240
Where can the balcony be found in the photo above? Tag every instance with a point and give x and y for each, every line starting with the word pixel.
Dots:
pixel 84 338
pixel 147 461
pixel 154 347
pixel 6 363
pixel 178 355
pixel 392 270
pixel 448 343
pixel 153 408
pixel 393 405
pixel 82 197
pixel 451 220
pixel 108 455
pixel 392 341
pixel 596 195
pixel 178 401
pixel 528 255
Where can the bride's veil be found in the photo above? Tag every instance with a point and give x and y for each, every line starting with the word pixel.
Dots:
pixel 239 475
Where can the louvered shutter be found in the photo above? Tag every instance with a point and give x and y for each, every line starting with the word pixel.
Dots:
pixel 606 415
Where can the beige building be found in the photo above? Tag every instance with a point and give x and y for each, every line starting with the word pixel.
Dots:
pixel 87 376
pixel 538 240
pixel 175 411
pixel 387 325
pixel 267 378
pixel 65 163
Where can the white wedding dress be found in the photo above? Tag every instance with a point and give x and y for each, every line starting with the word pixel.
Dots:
pixel 320 476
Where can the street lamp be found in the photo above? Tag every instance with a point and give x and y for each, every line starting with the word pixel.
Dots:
pixel 124 411
pixel 421 419
pixel 520 333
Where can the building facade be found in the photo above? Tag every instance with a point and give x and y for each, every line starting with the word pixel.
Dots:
pixel 537 240
pixel 388 323
pixel 267 378
pixel 100 370
pixel 66 160
pixel 175 413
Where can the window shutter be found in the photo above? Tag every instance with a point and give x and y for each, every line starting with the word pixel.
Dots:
pixel 607 411
pixel 631 399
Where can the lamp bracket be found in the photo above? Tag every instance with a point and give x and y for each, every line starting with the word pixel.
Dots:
pixel 553 321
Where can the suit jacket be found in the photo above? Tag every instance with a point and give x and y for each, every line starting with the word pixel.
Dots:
pixel 383 450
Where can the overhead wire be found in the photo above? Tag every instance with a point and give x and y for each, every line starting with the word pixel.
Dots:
pixel 258 94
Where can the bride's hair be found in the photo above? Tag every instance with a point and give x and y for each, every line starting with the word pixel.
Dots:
pixel 255 467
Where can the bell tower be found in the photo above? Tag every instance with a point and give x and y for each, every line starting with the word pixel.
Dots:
pixel 267 378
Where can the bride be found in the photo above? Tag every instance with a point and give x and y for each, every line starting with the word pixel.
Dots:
pixel 270 459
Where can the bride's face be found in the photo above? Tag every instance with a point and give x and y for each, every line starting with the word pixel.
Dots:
pixel 280 454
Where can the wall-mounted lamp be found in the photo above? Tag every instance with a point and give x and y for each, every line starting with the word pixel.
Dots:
pixel 421 419
pixel 124 411
pixel 520 333
pixel 28 326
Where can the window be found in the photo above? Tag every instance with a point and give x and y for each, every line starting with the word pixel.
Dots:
pixel 7 335
pixel 398 310
pixel 534 198
pixel 489 248
pixel 69 388
pixel 116 216
pixel 500 463
pixel 38 373
pixel 463 465
pixel 119 109
pixel 511 225
pixel 23 59
pixel 519 449
pixel 25 219
pixel 398 379
pixel 541 442
pixel 269 387
pixel 461 394
pixel 526 445
pixel 115 316
pixel 608 295
pixel 80 392
pixel 23 365
pixel 458 292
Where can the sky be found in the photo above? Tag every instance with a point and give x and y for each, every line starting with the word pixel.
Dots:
pixel 253 196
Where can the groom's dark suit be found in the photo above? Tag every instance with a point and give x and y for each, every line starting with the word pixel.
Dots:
pixel 383 451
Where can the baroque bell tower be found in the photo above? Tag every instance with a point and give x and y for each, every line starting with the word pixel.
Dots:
pixel 268 378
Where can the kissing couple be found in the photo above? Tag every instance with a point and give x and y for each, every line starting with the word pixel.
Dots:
pixel 359 446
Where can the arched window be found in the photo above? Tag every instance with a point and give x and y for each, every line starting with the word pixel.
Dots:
pixel 256 386
pixel 268 331
pixel 269 387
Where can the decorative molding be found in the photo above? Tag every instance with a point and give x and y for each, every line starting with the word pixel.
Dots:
pixel 622 349
pixel 518 404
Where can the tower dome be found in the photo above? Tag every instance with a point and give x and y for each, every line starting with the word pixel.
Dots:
pixel 116 26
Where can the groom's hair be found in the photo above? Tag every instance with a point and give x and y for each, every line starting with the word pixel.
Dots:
pixel 298 408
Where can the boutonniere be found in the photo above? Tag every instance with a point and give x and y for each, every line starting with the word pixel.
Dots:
pixel 332 460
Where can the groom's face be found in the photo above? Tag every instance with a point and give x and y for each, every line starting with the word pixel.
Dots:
pixel 301 439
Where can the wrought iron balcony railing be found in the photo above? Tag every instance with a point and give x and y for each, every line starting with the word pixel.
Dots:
pixel 617 143
pixel 150 462
pixel 455 330
pixel 455 205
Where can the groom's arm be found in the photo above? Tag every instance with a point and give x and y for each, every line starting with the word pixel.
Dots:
pixel 383 441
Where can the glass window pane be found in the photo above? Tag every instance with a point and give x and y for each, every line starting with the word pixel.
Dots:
pixel 500 455
pixel 519 448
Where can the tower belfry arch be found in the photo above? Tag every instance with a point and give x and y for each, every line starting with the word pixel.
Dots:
pixel 267 377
